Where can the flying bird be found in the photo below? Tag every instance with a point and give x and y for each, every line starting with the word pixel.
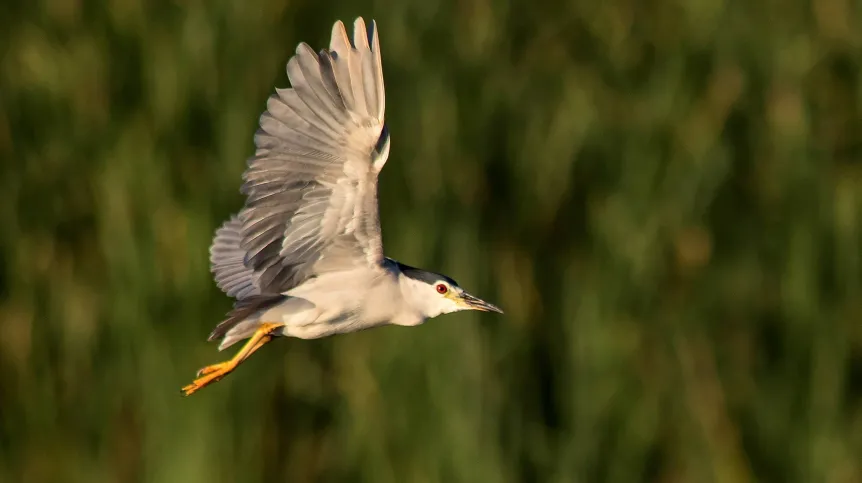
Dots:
pixel 304 257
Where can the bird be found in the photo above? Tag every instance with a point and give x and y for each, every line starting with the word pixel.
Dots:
pixel 303 257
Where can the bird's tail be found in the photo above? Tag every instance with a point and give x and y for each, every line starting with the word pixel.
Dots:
pixel 243 319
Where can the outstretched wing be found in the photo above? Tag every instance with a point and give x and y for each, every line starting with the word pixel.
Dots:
pixel 312 185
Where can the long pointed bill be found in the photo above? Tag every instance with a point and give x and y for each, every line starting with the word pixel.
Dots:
pixel 475 303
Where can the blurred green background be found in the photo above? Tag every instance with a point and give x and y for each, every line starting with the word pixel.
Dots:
pixel 665 196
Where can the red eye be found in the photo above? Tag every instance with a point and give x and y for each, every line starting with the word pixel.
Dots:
pixel 441 289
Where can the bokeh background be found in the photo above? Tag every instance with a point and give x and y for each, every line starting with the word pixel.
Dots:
pixel 664 195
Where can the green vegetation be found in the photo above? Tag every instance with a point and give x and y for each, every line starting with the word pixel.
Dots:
pixel 665 197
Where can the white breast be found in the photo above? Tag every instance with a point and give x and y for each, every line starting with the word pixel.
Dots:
pixel 345 302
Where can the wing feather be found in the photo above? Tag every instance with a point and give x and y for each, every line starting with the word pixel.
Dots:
pixel 311 188
pixel 227 261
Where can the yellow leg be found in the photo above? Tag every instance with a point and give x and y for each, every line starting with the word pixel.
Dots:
pixel 215 372
pixel 260 343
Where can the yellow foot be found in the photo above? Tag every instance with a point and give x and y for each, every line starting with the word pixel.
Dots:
pixel 213 368
pixel 209 375
pixel 215 372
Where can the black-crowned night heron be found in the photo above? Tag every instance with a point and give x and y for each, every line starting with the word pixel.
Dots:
pixel 304 257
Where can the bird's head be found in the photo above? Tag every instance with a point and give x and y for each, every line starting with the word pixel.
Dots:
pixel 433 294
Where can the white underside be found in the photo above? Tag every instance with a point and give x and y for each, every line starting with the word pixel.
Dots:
pixel 338 305
pixel 335 303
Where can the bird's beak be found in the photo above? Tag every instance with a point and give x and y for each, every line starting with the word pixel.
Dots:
pixel 475 303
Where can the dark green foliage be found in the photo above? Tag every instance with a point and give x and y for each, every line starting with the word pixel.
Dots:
pixel 665 197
